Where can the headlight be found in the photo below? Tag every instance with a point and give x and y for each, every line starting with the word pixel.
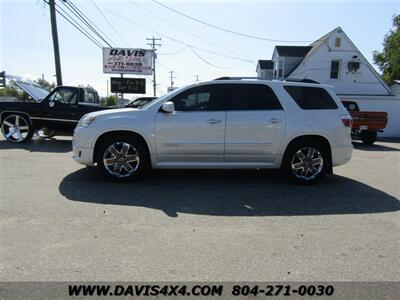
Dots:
pixel 86 121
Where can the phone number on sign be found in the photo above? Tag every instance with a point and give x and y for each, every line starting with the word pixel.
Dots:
pixel 282 290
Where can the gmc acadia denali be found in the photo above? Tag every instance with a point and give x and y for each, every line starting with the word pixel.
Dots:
pixel 300 128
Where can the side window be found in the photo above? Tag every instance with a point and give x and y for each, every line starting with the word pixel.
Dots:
pixel 90 97
pixel 201 98
pixel 64 95
pixel 311 97
pixel 250 97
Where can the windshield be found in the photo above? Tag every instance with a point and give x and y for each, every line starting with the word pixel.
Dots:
pixel 30 87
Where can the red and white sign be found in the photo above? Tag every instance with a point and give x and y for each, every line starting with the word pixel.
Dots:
pixel 127 61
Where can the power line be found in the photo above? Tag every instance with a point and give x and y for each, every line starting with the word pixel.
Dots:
pixel 168 68
pixel 76 26
pixel 180 28
pixel 173 53
pixel 109 23
pixel 178 41
pixel 73 22
pixel 84 19
pixel 226 30
pixel 153 46
pixel 213 65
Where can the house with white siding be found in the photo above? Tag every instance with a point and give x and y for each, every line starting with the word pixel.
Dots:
pixel 335 60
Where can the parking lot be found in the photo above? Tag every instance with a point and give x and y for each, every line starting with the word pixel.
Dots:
pixel 62 221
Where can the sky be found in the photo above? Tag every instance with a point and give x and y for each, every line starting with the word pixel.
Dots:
pixel 27 49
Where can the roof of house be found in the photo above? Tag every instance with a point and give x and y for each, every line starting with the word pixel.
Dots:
pixel 316 44
pixel 266 64
pixel 293 51
pixel 397 81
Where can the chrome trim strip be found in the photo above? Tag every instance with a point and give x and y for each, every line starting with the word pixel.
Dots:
pixel 52 119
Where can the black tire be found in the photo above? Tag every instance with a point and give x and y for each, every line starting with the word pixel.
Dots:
pixel 138 148
pixel 291 159
pixel 368 137
pixel 23 122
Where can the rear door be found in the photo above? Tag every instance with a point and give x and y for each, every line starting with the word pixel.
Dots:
pixel 195 131
pixel 255 123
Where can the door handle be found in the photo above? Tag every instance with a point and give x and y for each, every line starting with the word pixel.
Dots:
pixel 213 121
pixel 274 121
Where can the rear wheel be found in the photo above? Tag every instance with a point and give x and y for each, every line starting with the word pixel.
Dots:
pixel 368 137
pixel 16 128
pixel 122 158
pixel 306 162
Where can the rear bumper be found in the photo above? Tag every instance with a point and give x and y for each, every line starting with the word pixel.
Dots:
pixel 341 155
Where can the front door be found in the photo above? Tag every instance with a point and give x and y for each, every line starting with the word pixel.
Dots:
pixel 64 111
pixel 195 131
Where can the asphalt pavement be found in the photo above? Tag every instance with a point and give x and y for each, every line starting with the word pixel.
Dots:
pixel 62 221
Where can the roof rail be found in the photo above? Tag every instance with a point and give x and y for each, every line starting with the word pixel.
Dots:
pixel 305 80
pixel 237 78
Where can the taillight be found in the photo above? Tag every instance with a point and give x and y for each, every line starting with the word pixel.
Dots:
pixel 347 120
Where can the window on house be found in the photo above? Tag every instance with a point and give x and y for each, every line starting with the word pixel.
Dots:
pixel 335 66
pixel 353 66
pixel 337 42
pixel 280 73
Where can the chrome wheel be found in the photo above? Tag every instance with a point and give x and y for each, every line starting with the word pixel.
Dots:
pixel 15 128
pixel 121 159
pixel 307 163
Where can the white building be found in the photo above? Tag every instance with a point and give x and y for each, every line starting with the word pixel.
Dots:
pixel 264 69
pixel 335 60
pixel 395 87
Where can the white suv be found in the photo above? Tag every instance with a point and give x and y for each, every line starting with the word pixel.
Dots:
pixel 223 124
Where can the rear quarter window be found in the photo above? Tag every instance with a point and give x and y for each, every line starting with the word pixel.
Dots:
pixel 311 97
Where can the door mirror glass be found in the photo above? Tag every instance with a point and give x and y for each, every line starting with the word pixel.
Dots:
pixel 168 107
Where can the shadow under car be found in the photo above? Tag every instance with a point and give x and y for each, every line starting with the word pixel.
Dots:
pixel 229 193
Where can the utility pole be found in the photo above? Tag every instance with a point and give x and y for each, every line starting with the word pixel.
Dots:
pixel 153 45
pixel 197 78
pixel 171 77
pixel 55 41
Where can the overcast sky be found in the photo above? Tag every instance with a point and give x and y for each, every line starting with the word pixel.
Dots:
pixel 26 44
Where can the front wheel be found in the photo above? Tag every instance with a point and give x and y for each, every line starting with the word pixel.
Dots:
pixel 16 129
pixel 122 158
pixel 306 163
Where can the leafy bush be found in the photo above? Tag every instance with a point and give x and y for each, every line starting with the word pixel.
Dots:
pixel 109 101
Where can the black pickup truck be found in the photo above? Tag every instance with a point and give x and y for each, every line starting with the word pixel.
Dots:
pixel 57 112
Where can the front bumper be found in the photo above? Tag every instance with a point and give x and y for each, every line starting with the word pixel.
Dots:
pixel 83 145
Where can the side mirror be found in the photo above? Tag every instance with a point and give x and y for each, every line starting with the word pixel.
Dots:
pixel 168 107
pixel 51 103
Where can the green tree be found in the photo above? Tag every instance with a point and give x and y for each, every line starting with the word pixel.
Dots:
pixel 109 101
pixel 388 60
pixel 46 84
pixel 10 91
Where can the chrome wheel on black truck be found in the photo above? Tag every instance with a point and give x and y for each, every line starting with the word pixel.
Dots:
pixel 16 128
